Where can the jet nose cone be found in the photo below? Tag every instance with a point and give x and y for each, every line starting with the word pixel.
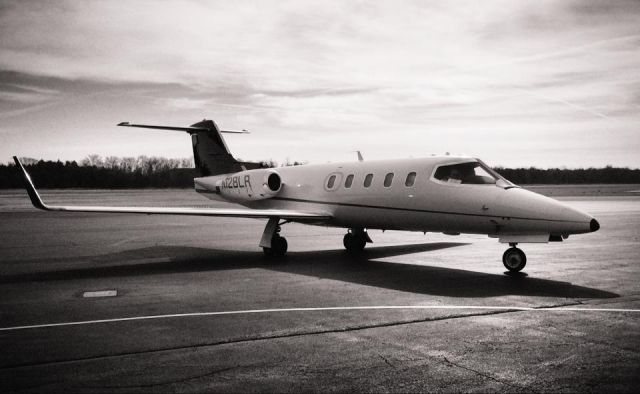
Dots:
pixel 594 225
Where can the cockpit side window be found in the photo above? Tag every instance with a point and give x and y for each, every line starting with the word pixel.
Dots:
pixel 465 173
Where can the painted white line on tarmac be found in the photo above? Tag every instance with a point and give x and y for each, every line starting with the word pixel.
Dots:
pixel 331 308
pixel 100 293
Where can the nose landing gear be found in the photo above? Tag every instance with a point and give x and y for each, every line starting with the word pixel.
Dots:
pixel 514 259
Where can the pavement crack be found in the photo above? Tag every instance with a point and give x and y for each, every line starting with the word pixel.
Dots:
pixel 487 376
pixel 387 361
pixel 171 381
pixel 560 305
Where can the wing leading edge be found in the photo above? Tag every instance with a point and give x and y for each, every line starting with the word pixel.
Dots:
pixel 243 213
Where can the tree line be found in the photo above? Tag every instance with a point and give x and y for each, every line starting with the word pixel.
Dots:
pixel 97 172
pixel 158 172
pixel 111 172
pixel 579 176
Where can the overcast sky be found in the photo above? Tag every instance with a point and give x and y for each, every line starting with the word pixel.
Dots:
pixel 517 83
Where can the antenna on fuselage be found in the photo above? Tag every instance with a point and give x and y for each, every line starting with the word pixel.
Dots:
pixel 359 156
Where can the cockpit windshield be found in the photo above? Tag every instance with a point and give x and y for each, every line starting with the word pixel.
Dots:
pixel 472 172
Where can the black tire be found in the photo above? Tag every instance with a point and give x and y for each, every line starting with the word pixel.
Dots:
pixel 514 259
pixel 354 243
pixel 359 242
pixel 347 241
pixel 281 246
pixel 278 247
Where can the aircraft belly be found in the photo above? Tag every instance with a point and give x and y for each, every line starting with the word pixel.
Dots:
pixel 412 220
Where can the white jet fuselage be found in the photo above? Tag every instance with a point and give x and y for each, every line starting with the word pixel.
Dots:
pixel 445 194
pixel 428 202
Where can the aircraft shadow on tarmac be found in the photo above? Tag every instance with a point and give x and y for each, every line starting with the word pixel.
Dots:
pixel 328 264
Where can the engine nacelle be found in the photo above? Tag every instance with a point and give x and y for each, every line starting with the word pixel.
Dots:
pixel 251 185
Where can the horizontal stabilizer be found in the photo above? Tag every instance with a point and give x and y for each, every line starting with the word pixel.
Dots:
pixel 176 128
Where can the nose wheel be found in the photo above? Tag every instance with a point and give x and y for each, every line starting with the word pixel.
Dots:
pixel 514 259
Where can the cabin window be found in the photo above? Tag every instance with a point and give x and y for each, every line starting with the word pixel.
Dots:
pixel 465 173
pixel 331 182
pixel 349 181
pixel 411 179
pixel 388 179
pixel 367 180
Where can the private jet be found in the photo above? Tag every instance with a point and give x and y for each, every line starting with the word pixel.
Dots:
pixel 448 194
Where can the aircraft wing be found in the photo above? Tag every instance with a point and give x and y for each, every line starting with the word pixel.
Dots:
pixel 284 214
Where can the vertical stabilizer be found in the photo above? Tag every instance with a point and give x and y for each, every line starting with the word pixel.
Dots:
pixel 210 152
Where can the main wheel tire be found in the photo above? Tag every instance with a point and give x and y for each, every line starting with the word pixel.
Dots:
pixel 359 242
pixel 278 247
pixel 347 241
pixel 354 243
pixel 514 259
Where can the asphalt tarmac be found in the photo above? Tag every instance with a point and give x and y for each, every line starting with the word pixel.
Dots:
pixel 126 303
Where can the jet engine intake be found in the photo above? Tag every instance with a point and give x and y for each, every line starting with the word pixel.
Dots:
pixel 273 182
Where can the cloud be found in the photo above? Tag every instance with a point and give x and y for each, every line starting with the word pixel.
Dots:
pixel 348 70
pixel 185 103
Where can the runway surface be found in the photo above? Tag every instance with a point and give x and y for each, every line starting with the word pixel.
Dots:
pixel 125 303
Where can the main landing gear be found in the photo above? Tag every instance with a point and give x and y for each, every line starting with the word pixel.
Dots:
pixel 514 259
pixel 355 240
pixel 278 247
pixel 273 245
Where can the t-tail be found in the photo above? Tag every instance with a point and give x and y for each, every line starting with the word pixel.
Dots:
pixel 210 152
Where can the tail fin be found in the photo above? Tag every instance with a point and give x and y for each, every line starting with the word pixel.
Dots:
pixel 210 152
